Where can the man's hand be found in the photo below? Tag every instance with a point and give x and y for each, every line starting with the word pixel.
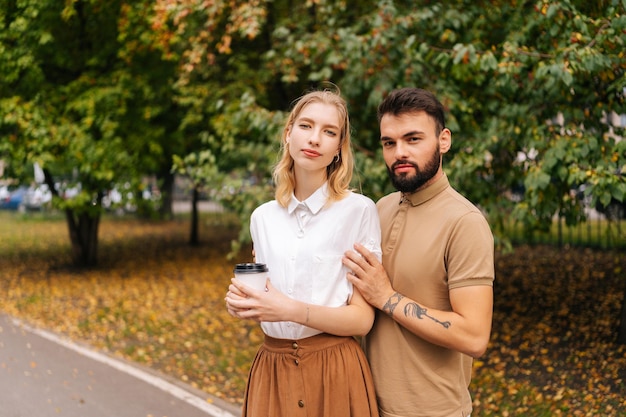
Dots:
pixel 368 276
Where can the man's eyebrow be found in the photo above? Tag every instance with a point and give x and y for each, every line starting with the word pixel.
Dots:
pixel 406 135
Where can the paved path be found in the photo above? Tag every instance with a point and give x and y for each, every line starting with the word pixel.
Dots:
pixel 44 375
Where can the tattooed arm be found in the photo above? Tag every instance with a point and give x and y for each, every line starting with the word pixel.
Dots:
pixel 466 328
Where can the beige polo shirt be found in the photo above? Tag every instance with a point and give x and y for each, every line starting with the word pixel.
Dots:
pixel 432 241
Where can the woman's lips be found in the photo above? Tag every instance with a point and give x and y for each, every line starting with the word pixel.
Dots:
pixel 311 153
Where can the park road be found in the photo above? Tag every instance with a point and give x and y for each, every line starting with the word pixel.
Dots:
pixel 44 375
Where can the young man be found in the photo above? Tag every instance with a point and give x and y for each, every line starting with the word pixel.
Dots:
pixel 434 288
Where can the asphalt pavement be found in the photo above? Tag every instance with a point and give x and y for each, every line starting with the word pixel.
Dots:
pixel 45 375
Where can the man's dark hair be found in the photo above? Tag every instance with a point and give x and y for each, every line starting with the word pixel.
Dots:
pixel 411 99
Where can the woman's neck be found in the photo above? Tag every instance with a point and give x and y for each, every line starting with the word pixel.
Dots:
pixel 307 183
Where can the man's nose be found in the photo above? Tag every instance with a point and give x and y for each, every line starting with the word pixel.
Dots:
pixel 401 150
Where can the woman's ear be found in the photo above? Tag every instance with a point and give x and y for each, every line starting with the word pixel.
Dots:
pixel 287 134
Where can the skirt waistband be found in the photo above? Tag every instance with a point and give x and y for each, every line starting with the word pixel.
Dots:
pixel 318 342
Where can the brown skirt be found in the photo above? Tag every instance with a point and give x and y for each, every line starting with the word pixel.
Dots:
pixel 319 376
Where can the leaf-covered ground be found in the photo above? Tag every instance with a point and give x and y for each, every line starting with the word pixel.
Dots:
pixel 158 301
pixel 553 350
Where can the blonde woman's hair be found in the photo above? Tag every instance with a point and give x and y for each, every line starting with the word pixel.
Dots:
pixel 339 172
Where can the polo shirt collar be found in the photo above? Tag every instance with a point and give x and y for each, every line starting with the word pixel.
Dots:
pixel 427 193
pixel 314 203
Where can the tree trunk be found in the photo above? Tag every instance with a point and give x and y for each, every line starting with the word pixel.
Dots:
pixel 166 185
pixel 193 237
pixel 83 230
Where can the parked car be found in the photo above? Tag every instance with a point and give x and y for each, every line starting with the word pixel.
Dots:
pixel 24 198
pixel 13 201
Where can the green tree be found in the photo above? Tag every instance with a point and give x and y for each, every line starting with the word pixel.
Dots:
pixel 82 97
pixel 228 134
pixel 532 89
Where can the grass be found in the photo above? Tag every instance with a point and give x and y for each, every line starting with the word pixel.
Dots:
pixel 598 233
pixel 157 301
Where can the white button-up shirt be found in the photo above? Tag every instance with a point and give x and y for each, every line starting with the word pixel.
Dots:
pixel 303 244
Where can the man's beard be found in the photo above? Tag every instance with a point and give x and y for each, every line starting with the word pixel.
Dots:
pixel 407 183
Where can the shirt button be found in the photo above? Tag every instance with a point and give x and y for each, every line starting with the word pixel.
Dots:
pixel 301 404
pixel 294 345
pixel 300 234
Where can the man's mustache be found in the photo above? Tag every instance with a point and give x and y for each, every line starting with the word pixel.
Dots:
pixel 398 163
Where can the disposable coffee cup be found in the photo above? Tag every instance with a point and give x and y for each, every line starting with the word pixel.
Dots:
pixel 252 274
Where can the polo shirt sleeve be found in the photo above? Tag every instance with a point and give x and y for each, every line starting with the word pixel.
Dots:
pixel 470 252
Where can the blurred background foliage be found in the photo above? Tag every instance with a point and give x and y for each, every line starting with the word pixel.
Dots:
pixel 102 94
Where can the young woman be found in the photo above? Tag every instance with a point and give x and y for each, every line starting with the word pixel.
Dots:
pixel 310 364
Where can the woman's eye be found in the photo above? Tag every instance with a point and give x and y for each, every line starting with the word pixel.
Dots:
pixel 331 133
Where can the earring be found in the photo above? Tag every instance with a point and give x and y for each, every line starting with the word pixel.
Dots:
pixel 337 156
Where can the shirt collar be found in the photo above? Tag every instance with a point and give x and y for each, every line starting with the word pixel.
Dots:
pixel 427 193
pixel 314 203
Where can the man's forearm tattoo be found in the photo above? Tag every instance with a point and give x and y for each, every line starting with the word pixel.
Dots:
pixel 392 303
pixel 414 309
